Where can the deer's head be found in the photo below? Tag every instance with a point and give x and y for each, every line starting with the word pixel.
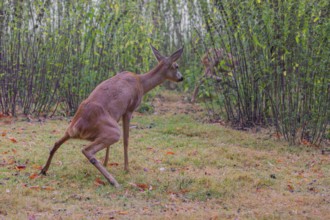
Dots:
pixel 171 67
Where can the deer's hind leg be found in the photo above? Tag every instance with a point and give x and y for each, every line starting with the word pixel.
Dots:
pixel 109 136
pixel 52 152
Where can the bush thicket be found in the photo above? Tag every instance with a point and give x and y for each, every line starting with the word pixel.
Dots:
pixel 53 53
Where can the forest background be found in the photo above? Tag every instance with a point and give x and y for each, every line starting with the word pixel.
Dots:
pixel 54 53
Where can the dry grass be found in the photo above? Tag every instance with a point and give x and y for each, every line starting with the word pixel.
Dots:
pixel 179 168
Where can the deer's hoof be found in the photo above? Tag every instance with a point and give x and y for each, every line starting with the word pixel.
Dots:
pixel 115 184
pixel 43 172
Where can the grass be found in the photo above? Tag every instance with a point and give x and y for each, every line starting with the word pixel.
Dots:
pixel 179 168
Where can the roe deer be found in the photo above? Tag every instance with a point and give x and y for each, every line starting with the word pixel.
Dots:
pixel 215 61
pixel 97 117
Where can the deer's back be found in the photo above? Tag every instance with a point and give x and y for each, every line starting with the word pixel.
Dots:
pixel 120 94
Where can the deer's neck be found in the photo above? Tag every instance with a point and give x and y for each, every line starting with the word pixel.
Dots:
pixel 152 78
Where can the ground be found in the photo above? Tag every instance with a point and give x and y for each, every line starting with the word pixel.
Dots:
pixel 180 167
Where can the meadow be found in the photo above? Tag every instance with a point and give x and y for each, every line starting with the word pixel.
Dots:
pixel 181 166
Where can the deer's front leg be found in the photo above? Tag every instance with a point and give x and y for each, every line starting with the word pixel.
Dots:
pixel 106 159
pixel 126 121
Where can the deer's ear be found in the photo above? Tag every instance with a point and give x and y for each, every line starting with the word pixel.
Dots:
pixel 176 55
pixel 157 54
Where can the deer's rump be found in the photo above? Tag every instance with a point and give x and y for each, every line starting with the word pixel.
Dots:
pixel 88 121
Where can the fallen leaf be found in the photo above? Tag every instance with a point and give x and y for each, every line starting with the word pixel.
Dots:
pixel 113 164
pixel 36 167
pixel 14 151
pixel 3 133
pixel 99 182
pixel 123 212
pixel 33 176
pixel 290 188
pixel 13 140
pixel 48 188
pixel 35 187
pixel 184 191
pixel 170 153
pixel 142 186
pixel 20 167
